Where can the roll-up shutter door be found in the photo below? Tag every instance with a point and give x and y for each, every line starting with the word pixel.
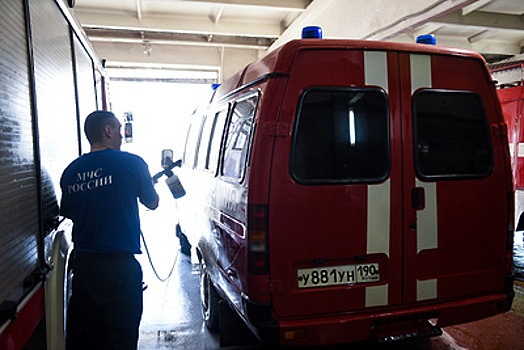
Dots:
pixel 19 223
pixel 55 97
pixel 86 87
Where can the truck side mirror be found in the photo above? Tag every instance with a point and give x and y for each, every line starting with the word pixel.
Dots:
pixel 167 158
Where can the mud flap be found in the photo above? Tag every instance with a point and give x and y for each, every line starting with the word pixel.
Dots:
pixel 233 331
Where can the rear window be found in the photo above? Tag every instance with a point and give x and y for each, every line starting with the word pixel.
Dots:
pixel 341 136
pixel 451 135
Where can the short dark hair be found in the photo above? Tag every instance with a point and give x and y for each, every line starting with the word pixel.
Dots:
pixel 95 124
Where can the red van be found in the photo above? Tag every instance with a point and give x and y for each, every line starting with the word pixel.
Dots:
pixel 343 190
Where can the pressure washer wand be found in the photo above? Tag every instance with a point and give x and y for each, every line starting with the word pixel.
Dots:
pixel 167 171
pixel 172 181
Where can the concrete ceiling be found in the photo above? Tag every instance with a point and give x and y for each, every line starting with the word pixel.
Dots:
pixel 223 35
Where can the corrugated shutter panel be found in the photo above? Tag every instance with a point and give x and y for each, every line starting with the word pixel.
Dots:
pixel 86 87
pixel 19 223
pixel 55 96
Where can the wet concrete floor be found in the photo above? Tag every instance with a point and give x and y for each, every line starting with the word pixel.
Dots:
pixel 172 317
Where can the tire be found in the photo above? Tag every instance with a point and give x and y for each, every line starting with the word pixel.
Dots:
pixel 209 301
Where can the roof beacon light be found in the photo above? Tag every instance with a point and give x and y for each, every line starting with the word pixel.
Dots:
pixel 428 39
pixel 312 32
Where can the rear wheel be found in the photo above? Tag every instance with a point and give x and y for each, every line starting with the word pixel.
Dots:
pixel 209 301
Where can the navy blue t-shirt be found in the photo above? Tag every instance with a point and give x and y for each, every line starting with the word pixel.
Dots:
pixel 100 193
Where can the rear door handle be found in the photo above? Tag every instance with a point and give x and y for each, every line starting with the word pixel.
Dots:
pixel 418 198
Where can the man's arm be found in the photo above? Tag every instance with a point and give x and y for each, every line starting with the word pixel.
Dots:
pixel 146 193
pixel 154 204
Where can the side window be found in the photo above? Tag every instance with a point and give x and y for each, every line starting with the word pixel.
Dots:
pixel 216 139
pixel 451 135
pixel 203 147
pixel 238 138
pixel 192 141
pixel 341 136
pixel 210 140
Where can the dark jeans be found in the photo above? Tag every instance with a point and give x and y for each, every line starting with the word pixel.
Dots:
pixel 106 304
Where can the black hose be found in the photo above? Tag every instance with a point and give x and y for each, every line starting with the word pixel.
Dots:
pixel 153 266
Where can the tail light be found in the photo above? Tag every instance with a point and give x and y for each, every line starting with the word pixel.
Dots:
pixel 257 227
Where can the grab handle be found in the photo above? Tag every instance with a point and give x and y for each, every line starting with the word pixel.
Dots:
pixel 418 198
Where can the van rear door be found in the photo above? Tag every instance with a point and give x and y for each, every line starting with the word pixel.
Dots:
pixel 335 231
pixel 375 200
pixel 456 178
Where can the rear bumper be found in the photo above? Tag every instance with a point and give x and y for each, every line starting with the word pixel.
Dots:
pixel 393 322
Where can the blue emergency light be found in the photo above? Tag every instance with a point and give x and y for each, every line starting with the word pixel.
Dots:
pixel 428 39
pixel 312 32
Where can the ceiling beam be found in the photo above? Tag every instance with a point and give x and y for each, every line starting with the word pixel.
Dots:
pixel 482 35
pixel 288 5
pixel 173 24
pixel 180 39
pixel 216 15
pixel 151 42
pixel 466 10
pixel 496 48
pixel 139 9
pixel 415 19
pixel 292 30
pixel 484 20
pixel 428 28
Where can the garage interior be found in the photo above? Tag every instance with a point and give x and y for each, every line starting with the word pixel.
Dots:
pixel 207 41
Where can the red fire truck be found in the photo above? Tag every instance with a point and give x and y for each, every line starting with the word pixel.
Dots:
pixel 50 79
pixel 509 75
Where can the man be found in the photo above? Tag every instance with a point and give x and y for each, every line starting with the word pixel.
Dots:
pixel 99 193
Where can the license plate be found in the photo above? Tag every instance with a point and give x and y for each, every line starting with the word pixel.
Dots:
pixel 338 275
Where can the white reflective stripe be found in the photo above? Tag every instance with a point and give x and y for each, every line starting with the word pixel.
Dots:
pixel 376 68
pixel 377 295
pixel 512 150
pixel 378 221
pixel 521 150
pixel 427 223
pixel 426 289
pixel 420 72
